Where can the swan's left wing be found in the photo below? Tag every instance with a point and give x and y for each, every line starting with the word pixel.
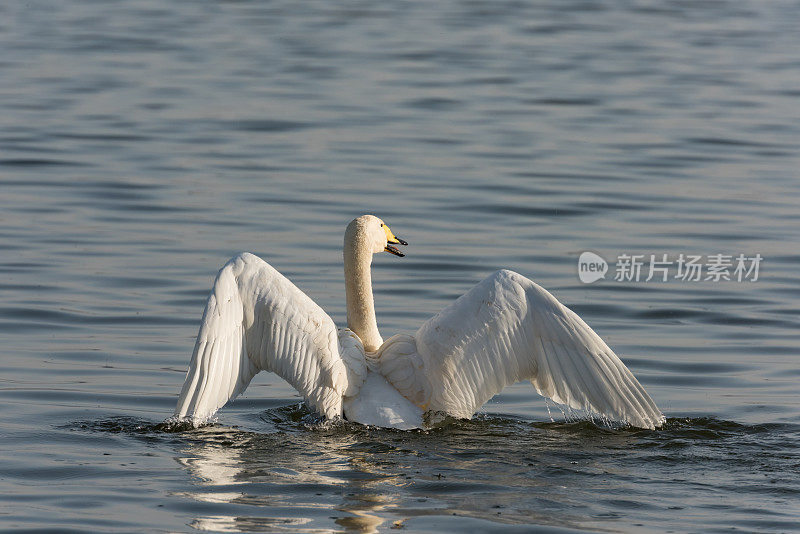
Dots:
pixel 257 320
pixel 504 330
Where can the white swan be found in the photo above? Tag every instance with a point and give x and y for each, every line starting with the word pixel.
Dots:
pixel 504 330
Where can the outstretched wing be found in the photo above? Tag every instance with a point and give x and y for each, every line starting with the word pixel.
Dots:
pixel 508 329
pixel 257 320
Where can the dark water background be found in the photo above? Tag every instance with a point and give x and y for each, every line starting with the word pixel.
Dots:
pixel 142 143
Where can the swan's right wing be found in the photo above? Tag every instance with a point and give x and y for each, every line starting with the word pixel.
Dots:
pixel 257 320
pixel 504 330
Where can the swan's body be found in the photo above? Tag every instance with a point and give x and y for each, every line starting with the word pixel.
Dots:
pixel 504 330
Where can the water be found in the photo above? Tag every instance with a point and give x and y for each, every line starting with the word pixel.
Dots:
pixel 144 143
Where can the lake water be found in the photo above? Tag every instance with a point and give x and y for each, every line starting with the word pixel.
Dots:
pixel 143 143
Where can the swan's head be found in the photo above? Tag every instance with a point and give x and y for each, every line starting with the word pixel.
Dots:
pixel 373 234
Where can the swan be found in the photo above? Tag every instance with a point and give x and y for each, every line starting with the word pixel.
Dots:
pixel 504 330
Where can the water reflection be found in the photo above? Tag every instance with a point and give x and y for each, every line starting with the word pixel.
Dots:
pixel 377 478
pixel 250 524
pixel 293 473
pixel 287 471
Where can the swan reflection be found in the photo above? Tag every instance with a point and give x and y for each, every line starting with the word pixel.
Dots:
pixel 301 475
pixel 290 474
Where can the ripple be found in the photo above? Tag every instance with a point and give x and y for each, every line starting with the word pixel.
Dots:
pixel 41 162
pixel 266 125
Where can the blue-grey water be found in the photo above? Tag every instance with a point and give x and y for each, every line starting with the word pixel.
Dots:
pixel 143 143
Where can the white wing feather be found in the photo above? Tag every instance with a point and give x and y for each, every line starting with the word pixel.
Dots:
pixel 507 329
pixel 257 320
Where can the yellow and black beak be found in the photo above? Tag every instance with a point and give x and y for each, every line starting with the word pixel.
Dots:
pixel 391 239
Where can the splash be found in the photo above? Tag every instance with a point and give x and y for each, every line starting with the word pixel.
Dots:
pixel 574 415
pixel 182 424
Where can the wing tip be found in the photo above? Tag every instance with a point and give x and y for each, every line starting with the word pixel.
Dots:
pixel 654 423
pixel 608 419
pixel 179 423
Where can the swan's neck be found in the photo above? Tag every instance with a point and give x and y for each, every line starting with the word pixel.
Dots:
pixel 358 286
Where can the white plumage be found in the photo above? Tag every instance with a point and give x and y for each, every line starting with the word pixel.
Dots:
pixel 504 330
